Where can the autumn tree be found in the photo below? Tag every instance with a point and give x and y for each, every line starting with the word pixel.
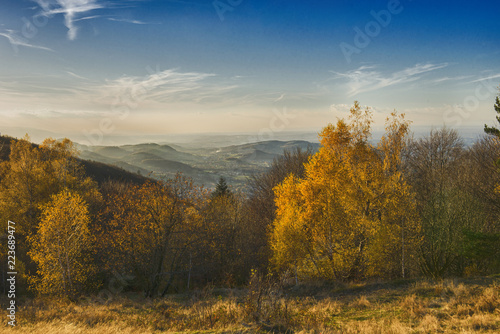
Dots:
pixel 35 172
pixel 31 175
pixel 62 246
pixel 261 199
pixel 23 186
pixel 353 213
pixel 152 230
pixel 399 229
pixel 218 255
pixel 290 242
pixel 260 207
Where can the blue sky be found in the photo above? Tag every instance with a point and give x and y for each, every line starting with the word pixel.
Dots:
pixel 106 67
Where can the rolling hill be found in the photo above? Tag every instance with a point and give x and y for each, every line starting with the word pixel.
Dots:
pixel 203 164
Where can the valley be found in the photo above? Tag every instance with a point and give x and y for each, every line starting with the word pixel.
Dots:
pixel 205 165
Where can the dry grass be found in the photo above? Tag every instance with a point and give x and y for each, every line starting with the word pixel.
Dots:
pixel 423 307
pixel 361 303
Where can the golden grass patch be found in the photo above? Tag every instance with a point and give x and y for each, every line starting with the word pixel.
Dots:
pixel 421 307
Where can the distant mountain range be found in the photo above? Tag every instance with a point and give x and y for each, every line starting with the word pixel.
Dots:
pixel 204 158
pixel 203 164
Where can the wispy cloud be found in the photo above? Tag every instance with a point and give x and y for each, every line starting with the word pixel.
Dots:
pixel 70 9
pixel 445 79
pixel 181 81
pixel 76 75
pixel 367 78
pixel 487 78
pixel 172 87
pixel 88 18
pixel 127 21
pixel 280 98
pixel 16 40
pixel 168 85
pixel 156 90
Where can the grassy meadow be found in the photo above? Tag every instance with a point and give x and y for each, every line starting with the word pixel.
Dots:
pixel 411 306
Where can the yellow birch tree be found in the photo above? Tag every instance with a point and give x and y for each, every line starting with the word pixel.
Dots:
pixel 349 209
pixel 62 246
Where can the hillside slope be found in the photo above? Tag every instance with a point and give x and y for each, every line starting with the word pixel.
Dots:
pixel 203 164
pixel 99 171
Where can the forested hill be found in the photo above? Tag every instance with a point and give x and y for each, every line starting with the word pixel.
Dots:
pixel 350 211
pixel 100 172
pixel 204 164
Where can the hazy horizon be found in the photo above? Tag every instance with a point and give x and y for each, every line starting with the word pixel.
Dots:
pixel 199 140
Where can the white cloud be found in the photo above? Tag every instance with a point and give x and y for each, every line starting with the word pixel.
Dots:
pixel 445 79
pixel 87 18
pixel 340 109
pixel 487 78
pixel 367 78
pixel 126 21
pixel 156 91
pixel 76 75
pixel 70 9
pixel 167 86
pixel 15 40
pixel 280 98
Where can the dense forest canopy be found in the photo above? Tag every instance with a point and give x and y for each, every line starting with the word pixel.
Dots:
pixel 353 210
